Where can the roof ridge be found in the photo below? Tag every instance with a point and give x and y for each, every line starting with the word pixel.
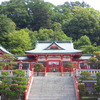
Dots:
pixel 54 41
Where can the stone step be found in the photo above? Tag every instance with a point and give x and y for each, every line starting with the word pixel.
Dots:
pixel 54 74
pixel 52 88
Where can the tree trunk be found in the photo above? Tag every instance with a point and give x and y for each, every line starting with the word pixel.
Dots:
pixel 37 73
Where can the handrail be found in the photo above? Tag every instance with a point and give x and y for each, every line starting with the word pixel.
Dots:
pixel 45 73
pixel 76 87
pixel 29 87
pixel 62 74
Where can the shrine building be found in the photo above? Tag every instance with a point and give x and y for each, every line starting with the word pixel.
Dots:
pixel 54 55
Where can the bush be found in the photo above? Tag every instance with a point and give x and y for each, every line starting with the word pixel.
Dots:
pixel 81 89
pixel 89 98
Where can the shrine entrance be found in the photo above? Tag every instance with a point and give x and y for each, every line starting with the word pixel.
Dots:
pixel 53 66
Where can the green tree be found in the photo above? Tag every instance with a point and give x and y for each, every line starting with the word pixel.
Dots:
pixel 94 62
pixel 85 75
pixel 98 82
pixel 13 87
pixel 83 22
pixel 50 35
pixel 5 85
pixel 89 49
pixel 81 89
pixel 38 67
pixel 6 26
pixel 16 10
pixel 7 61
pixel 19 41
pixel 83 41
pixel 85 44
pixel 32 14
pixel 41 12
pixel 70 66
pixel 19 83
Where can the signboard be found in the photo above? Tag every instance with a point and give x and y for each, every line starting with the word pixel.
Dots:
pixel 53 62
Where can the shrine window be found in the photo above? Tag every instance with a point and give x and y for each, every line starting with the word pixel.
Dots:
pixel 64 64
pixel 25 66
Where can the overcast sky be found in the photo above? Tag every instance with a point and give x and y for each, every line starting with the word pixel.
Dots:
pixel 93 3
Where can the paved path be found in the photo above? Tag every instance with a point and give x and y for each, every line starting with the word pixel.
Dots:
pixel 52 88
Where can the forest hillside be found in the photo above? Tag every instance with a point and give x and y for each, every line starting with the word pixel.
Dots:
pixel 24 22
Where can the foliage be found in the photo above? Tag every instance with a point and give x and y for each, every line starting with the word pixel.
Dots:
pixel 19 82
pixel 94 62
pixel 19 73
pixel 12 94
pixel 13 87
pixel 38 67
pixel 45 22
pixel 17 11
pixel 82 23
pixel 69 65
pixel 83 41
pixel 81 89
pixel 50 35
pixel 89 98
pixel 19 41
pixel 98 81
pixel 6 26
pixel 85 75
pixel 4 87
pixel 7 61
pixel 41 13
pixel 32 14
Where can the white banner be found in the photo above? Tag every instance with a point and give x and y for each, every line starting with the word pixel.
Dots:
pixel 53 62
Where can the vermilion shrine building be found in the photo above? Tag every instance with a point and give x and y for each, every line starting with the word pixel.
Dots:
pixel 53 54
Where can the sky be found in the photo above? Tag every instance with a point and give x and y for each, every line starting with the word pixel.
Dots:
pixel 93 3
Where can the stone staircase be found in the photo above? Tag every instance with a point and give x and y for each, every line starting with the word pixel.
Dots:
pixel 52 87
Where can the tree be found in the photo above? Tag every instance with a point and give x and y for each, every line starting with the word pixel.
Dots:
pixel 85 75
pixel 13 87
pixel 38 67
pixel 94 61
pixel 85 44
pixel 19 41
pixel 89 49
pixel 83 41
pixel 32 14
pixel 6 26
pixel 70 66
pixel 19 83
pixel 5 85
pixel 41 12
pixel 98 82
pixel 83 22
pixel 17 11
pixel 7 61
pixel 50 35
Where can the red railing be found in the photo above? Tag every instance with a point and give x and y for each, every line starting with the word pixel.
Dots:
pixel 62 74
pixel 76 87
pixel 28 89
pixel 45 72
